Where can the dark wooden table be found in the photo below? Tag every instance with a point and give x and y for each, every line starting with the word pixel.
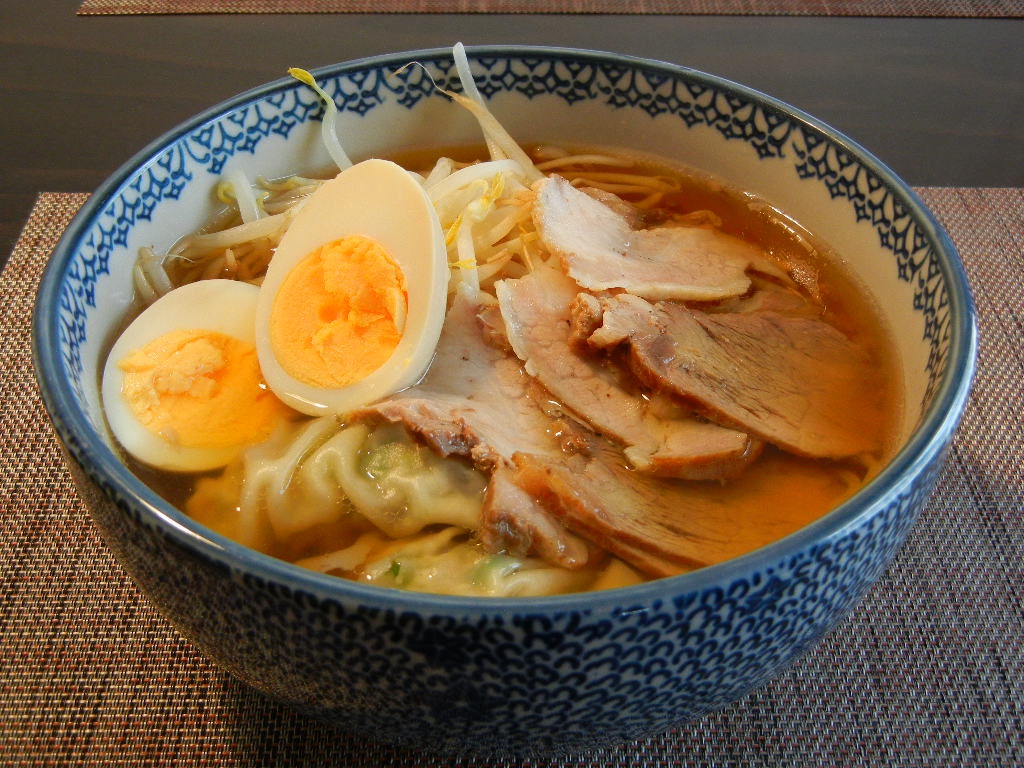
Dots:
pixel 927 672
pixel 940 100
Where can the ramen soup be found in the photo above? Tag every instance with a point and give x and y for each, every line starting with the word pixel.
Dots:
pixel 502 371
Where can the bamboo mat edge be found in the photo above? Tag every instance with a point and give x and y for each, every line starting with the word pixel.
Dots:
pixel 878 8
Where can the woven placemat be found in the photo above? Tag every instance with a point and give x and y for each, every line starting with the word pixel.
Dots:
pixel 929 671
pixel 936 8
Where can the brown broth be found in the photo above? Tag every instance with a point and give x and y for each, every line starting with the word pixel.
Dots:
pixel 780 493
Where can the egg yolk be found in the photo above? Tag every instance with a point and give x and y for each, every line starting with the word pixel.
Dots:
pixel 340 313
pixel 200 389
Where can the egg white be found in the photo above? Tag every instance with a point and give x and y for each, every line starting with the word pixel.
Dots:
pixel 223 306
pixel 380 200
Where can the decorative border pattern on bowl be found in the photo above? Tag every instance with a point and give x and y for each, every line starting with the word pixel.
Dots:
pixel 737 114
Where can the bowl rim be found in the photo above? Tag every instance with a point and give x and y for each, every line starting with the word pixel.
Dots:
pixel 925 445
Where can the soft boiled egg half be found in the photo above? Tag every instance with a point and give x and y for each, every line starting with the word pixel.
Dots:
pixel 182 387
pixel 353 302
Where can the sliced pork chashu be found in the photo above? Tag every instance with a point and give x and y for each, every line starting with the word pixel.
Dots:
pixel 658 526
pixel 601 251
pixel 788 379
pixel 538 313
pixel 554 485
pixel 514 521
pixel 476 402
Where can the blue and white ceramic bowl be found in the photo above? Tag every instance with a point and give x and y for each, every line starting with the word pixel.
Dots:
pixel 516 675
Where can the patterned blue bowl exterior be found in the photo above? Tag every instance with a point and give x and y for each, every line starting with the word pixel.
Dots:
pixel 516 676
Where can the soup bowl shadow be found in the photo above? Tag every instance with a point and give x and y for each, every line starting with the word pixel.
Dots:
pixel 520 676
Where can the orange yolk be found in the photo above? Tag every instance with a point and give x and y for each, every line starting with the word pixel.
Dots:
pixel 200 389
pixel 340 313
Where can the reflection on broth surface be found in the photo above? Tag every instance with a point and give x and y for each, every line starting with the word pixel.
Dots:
pixel 640 372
